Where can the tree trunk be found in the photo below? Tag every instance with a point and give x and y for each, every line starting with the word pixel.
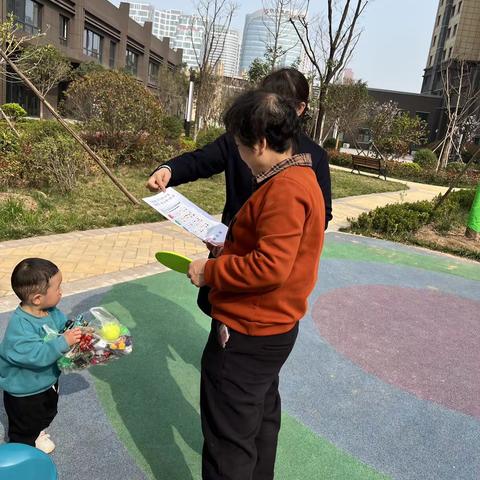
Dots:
pixel 445 154
pixel 320 123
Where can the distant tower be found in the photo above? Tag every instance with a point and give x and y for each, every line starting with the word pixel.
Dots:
pixel 257 37
pixel 456 36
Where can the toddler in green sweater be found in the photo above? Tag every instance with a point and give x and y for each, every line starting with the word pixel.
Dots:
pixel 28 358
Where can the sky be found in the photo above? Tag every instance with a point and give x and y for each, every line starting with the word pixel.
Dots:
pixel 393 49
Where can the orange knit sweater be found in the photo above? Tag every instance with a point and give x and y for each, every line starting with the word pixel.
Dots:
pixel 261 282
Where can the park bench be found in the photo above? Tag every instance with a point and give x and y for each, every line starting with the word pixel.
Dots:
pixel 369 163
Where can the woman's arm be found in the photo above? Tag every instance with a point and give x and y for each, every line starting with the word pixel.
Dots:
pixel 190 166
pixel 279 230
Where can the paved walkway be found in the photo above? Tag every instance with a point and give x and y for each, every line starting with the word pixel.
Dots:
pixel 103 257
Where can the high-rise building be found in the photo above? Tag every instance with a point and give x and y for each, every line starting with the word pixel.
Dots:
pixel 454 48
pixel 257 37
pixel 187 33
pixel 225 49
pixel 456 36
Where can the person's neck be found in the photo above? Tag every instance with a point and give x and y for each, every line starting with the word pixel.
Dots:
pixel 34 310
pixel 273 159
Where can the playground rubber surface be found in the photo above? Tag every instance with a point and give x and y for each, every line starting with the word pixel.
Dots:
pixel 383 383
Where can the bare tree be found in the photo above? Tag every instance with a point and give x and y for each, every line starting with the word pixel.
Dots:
pixel 213 18
pixel 462 109
pixel 329 44
pixel 276 19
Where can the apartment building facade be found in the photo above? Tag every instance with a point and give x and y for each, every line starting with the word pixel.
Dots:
pixel 86 31
pixel 455 37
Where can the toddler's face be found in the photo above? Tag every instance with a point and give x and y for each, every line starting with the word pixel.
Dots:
pixel 54 292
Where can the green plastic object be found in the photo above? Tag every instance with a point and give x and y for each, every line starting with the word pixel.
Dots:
pixel 474 218
pixel 174 261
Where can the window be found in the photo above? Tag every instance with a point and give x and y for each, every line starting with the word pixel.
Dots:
pixel 112 54
pixel 422 116
pixel 444 54
pixel 63 30
pixel 27 13
pixel 449 32
pixel 430 61
pixel 364 135
pixel 455 29
pixel 153 70
pixel 16 92
pixel 450 52
pixel 92 44
pixel 459 7
pixel 434 41
pixel 453 10
pixel 438 20
pixel 131 62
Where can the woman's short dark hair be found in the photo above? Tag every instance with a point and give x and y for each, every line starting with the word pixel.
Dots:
pixel 289 83
pixel 32 276
pixel 257 114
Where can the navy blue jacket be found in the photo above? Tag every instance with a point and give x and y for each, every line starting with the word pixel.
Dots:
pixel 222 156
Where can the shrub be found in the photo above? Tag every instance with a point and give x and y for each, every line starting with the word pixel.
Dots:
pixel 340 159
pixel 129 122
pixel 14 111
pixel 425 158
pixel 401 221
pixel 408 171
pixel 172 128
pixel 187 144
pixel 9 142
pixel 393 221
pixel 455 167
pixel 208 135
pixel 46 156
pixel 330 143
pixel 36 130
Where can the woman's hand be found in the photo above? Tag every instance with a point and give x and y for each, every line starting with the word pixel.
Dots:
pixel 215 250
pixel 159 180
pixel 196 272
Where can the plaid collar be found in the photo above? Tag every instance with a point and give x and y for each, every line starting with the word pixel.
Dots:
pixel 299 160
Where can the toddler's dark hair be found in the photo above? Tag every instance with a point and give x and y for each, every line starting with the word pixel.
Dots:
pixel 258 114
pixel 32 276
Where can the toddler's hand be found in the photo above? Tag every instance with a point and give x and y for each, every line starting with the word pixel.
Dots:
pixel 72 336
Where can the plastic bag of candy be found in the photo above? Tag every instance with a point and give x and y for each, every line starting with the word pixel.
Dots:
pixel 103 339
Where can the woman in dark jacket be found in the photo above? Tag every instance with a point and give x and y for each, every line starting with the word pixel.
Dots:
pixel 222 156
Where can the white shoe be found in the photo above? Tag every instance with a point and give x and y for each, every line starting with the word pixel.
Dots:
pixel 44 443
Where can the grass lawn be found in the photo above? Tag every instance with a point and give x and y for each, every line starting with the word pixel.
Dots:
pixel 346 184
pixel 97 203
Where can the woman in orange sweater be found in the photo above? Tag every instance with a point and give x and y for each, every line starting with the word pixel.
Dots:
pixel 259 288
